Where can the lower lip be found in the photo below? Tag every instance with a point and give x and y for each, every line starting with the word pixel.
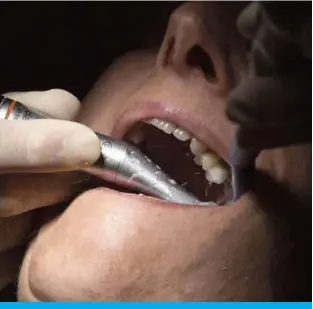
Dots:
pixel 143 198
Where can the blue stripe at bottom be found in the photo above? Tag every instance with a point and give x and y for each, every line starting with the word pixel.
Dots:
pixel 172 305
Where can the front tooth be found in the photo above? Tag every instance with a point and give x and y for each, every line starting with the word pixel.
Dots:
pixel 208 160
pixel 156 122
pixel 149 121
pixel 197 147
pixel 152 121
pixel 162 125
pixel 168 128
pixel 181 134
pixel 159 124
pixel 217 174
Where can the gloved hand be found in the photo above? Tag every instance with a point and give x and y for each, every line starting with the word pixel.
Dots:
pixel 41 146
pixel 273 106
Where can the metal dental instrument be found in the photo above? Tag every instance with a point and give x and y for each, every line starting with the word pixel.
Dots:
pixel 121 163
pixel 129 166
pixel 243 168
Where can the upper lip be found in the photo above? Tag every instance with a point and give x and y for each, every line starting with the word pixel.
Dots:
pixel 193 122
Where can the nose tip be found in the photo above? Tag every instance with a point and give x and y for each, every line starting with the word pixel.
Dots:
pixel 202 38
pixel 185 30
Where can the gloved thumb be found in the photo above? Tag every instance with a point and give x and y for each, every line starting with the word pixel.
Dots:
pixel 47 145
pixel 271 112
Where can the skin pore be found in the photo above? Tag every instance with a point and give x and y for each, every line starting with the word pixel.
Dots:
pixel 112 246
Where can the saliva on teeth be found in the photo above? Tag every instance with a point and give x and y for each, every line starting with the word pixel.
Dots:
pixel 215 171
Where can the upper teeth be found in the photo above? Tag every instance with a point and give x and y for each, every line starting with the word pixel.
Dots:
pixel 181 134
pixel 210 162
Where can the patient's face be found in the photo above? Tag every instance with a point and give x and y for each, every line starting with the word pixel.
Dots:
pixel 110 245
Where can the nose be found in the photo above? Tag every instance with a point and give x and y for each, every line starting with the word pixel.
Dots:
pixel 199 37
pixel 184 45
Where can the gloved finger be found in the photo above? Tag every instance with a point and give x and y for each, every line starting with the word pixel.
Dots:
pixel 271 112
pixel 54 103
pixel 268 44
pixel 46 146
pixel 267 138
pixel 287 17
pixel 281 38
pixel 272 53
pixel 24 192
pixel 268 102
pixel 249 20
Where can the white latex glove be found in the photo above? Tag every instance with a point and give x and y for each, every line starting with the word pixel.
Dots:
pixel 42 146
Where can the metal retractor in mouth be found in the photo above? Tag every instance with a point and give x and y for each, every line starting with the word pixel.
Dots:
pixel 243 168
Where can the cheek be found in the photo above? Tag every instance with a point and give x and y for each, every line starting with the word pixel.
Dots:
pixel 111 93
pixel 111 247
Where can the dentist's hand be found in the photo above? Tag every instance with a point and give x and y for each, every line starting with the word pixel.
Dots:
pixel 31 148
pixel 273 106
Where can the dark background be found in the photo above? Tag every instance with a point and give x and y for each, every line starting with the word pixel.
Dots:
pixel 68 44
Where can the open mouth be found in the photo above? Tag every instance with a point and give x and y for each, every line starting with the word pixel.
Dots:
pixel 190 162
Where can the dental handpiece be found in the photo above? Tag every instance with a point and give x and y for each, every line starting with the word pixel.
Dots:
pixel 120 162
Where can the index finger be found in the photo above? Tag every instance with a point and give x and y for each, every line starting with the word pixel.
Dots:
pixel 268 138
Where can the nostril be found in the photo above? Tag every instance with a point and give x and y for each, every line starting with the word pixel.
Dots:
pixel 169 52
pixel 198 58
